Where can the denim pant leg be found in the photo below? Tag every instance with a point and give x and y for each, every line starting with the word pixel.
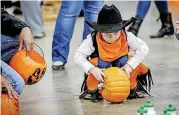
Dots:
pixel 162 6
pixel 32 12
pixel 121 61
pixel 65 23
pixel 9 46
pixel 103 64
pixel 14 78
pixel 177 36
pixel 142 8
pixel 91 10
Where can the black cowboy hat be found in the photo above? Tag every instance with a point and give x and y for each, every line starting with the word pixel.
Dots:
pixel 109 20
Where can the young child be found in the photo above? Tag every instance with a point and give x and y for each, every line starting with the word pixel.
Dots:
pixel 111 43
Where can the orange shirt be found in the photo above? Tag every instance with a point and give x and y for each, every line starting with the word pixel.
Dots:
pixel 110 52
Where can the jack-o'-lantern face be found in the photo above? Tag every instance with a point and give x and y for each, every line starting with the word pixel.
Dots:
pixel 31 67
pixel 36 76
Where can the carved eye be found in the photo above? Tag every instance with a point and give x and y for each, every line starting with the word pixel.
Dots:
pixel 36 73
pixel 31 60
pixel 34 78
pixel 43 72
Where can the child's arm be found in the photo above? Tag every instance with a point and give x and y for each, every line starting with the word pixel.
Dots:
pixel 81 54
pixel 140 48
pixel 85 50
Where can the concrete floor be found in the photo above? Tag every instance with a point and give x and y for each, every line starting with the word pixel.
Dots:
pixel 57 93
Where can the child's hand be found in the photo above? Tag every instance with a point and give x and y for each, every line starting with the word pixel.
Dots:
pixel 128 69
pixel 97 73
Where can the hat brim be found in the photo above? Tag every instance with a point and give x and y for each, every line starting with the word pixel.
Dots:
pixel 110 28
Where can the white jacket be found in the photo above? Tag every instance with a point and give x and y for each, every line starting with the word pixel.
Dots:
pixel 137 45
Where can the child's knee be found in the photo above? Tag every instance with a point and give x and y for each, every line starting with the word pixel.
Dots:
pixel 122 61
pixel 103 64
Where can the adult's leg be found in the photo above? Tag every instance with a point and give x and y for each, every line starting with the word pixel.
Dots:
pixel 142 9
pixel 65 23
pixel 166 19
pixel 91 10
pixel 14 78
pixel 162 6
pixel 32 12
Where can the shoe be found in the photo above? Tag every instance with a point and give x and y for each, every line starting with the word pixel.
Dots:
pixel 40 35
pixel 58 65
pixel 81 13
pixel 167 26
pixel 17 11
pixel 134 28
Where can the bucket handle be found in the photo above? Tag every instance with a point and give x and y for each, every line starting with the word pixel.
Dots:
pixel 38 47
pixel 26 47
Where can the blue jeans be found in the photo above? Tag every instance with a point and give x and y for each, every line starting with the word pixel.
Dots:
pixel 118 63
pixel 65 23
pixel 9 46
pixel 143 7
pixel 177 36
pixel 14 78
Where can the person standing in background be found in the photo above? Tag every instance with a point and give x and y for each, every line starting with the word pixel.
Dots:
pixel 165 17
pixel 32 12
pixel 64 28
pixel 177 30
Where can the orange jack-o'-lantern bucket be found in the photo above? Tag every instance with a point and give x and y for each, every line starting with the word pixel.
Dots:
pixel 30 65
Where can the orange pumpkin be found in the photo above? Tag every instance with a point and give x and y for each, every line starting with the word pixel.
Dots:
pixel 31 66
pixel 116 85
pixel 9 106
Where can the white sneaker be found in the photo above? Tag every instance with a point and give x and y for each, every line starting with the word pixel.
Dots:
pixel 40 35
pixel 58 65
